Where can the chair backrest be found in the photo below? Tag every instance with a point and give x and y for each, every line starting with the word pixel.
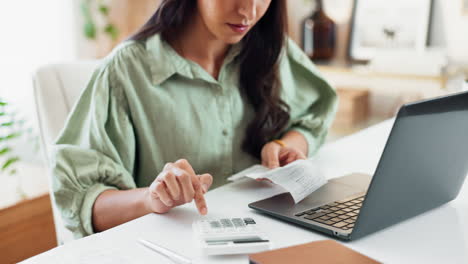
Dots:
pixel 56 89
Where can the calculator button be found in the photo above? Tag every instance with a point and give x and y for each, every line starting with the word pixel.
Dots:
pixel 226 223
pixel 249 221
pixel 238 222
pixel 215 224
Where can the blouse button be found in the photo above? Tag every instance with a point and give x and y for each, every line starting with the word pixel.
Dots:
pixel 225 132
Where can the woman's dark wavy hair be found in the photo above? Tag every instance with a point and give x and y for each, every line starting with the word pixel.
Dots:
pixel 259 77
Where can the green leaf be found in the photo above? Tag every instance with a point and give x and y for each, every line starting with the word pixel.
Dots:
pixel 14 135
pixel 86 10
pixel 4 150
pixel 9 162
pixel 13 172
pixel 90 30
pixel 11 136
pixel 89 27
pixel 9 124
pixel 3 103
pixel 103 9
pixel 112 31
pixel 2 113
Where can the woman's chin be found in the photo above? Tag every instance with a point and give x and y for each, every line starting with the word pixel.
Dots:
pixel 230 37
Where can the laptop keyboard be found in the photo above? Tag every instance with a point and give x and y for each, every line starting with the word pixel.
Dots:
pixel 340 214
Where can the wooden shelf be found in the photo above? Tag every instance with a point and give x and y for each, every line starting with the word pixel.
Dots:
pixel 364 71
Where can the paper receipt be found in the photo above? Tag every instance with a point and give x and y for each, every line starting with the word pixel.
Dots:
pixel 300 178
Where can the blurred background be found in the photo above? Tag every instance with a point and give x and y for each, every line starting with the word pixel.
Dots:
pixel 378 54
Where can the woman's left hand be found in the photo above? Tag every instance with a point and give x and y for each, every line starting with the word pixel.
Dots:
pixel 274 155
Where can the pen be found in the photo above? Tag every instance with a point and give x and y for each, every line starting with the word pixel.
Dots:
pixel 177 258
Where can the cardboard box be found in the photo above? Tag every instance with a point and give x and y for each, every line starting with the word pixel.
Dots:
pixel 353 107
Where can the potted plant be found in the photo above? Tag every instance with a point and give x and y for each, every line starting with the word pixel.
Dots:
pixel 90 10
pixel 12 128
pixel 105 23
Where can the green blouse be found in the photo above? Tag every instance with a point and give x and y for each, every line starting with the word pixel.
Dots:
pixel 146 106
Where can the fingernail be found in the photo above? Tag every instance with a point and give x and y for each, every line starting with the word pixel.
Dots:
pixel 205 187
pixel 204 211
pixel 177 171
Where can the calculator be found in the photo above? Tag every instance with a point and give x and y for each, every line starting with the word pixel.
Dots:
pixel 221 236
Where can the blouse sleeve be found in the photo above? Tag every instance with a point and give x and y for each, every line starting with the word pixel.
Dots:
pixel 94 152
pixel 313 102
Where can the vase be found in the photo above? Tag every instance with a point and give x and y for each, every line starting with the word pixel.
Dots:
pixel 319 34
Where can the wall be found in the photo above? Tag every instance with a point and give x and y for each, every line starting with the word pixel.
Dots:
pixel 456 28
pixel 32 34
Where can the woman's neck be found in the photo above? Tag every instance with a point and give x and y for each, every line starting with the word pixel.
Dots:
pixel 196 43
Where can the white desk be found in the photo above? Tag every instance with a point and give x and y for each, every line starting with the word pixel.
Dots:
pixel 438 236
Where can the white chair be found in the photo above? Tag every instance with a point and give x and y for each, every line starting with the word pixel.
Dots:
pixel 56 89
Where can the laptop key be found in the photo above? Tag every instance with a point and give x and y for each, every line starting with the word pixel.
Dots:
pixel 351 214
pixel 347 210
pixel 336 219
pixel 325 218
pixel 332 215
pixel 317 215
pixel 334 208
pixel 333 204
pixel 300 214
pixel 343 216
pixel 340 212
pixel 318 220
pixel 350 221
pixel 340 224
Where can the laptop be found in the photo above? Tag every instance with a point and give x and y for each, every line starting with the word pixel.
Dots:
pixel 423 166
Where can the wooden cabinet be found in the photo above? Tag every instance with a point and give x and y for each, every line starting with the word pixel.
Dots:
pixel 26 229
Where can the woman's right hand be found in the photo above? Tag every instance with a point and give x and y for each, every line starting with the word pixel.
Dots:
pixel 178 184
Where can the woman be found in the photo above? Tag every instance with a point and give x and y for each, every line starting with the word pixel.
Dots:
pixel 205 89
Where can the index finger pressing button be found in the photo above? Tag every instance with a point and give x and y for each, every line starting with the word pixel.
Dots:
pixel 200 202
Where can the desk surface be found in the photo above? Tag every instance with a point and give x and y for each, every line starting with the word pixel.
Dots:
pixel 437 236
